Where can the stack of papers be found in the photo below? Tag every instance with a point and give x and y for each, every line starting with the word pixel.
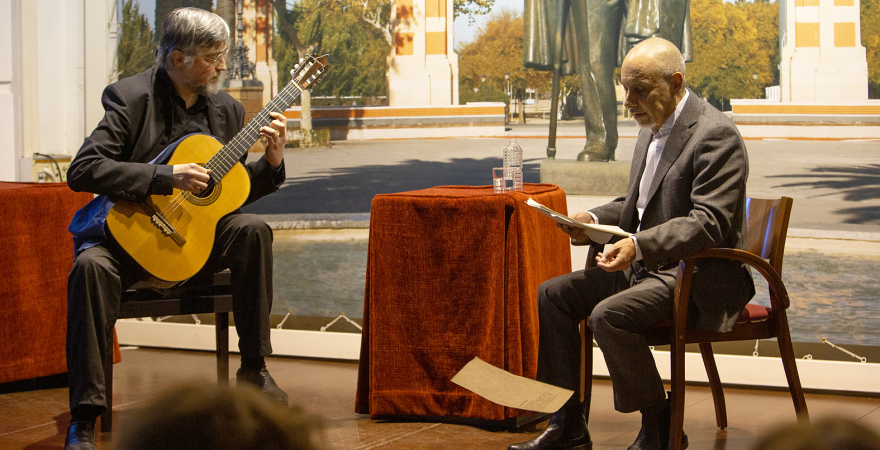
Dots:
pixel 599 234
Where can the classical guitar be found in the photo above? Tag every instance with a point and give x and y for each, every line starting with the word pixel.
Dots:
pixel 171 236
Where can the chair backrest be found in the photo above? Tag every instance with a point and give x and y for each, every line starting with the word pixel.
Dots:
pixel 767 222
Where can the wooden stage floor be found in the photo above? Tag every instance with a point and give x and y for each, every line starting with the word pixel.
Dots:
pixel 37 418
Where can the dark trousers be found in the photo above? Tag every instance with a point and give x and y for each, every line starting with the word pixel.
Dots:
pixel 621 306
pixel 100 274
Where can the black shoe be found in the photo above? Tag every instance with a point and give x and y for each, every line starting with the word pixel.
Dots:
pixel 567 430
pixel 262 380
pixel 80 436
pixel 654 434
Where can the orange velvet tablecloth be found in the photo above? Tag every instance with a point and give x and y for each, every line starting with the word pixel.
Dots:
pixel 453 273
pixel 36 257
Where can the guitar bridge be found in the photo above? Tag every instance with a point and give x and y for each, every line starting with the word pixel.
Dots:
pixel 161 223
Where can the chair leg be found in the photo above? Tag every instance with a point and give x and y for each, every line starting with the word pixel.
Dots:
pixel 676 422
pixel 715 384
pixel 107 416
pixel 221 321
pixel 786 352
pixel 677 336
pixel 586 368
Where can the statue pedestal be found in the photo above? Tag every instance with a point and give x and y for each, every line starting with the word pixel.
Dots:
pixel 249 93
pixel 587 178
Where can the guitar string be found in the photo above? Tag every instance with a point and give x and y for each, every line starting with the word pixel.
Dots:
pixel 224 159
pixel 263 116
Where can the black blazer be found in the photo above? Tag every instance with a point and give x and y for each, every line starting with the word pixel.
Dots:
pixel 136 127
pixel 696 202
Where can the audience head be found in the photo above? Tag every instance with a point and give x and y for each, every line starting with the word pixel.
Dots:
pixel 824 434
pixel 205 416
pixel 653 76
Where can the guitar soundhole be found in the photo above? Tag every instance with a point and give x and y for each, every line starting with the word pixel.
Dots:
pixel 207 192
pixel 207 196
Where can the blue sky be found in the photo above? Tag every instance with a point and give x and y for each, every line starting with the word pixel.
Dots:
pixel 147 8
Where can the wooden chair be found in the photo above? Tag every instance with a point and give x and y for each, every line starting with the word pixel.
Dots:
pixel 767 229
pixel 210 293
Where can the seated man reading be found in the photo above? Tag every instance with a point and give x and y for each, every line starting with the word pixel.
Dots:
pixel 686 194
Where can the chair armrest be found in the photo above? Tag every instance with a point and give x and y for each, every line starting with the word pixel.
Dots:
pixel 778 292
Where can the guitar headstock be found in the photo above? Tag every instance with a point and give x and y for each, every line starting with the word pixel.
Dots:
pixel 309 71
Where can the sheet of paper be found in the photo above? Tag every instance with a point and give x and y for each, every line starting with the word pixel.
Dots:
pixel 597 233
pixel 507 389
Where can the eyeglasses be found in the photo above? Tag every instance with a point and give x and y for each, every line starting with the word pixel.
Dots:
pixel 216 58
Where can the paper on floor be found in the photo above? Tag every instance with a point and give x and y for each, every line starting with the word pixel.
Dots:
pixel 507 389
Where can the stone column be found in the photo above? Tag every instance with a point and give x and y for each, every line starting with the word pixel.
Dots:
pixel 422 67
pixel 259 25
pixel 823 60
pixel 250 94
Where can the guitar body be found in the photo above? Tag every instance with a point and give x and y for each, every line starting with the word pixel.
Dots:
pixel 193 217
pixel 171 236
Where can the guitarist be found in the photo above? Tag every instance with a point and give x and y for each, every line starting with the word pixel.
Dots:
pixel 145 113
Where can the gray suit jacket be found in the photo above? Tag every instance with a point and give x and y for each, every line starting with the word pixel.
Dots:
pixel 696 202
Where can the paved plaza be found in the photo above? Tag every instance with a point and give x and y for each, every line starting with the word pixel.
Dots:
pixel 832 252
pixel 834 183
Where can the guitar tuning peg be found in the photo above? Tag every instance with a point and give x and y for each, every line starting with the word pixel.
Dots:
pixel 292 71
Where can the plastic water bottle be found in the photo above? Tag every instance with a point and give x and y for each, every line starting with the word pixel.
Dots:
pixel 513 160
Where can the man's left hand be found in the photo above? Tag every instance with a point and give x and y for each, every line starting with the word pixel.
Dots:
pixel 276 137
pixel 619 257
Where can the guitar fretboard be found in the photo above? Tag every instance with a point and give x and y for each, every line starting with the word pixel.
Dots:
pixel 232 152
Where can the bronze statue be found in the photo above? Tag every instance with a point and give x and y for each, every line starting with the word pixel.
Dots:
pixel 604 31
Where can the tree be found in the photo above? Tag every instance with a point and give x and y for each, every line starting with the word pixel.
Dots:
pixel 136 48
pixel 730 43
pixel 357 50
pixel 471 8
pixel 377 13
pixel 765 16
pixel 496 49
pixel 286 21
pixel 870 12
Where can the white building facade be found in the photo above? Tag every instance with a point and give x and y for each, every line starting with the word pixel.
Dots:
pixel 56 57
pixel 823 60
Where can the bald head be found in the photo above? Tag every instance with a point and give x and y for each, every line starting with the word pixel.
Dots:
pixel 663 55
pixel 653 76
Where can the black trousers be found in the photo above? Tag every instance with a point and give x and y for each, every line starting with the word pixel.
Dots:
pixel 100 274
pixel 621 306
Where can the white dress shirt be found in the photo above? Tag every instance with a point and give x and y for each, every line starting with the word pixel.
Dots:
pixel 655 151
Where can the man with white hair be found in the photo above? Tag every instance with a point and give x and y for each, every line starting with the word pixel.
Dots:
pixel 143 115
pixel 686 194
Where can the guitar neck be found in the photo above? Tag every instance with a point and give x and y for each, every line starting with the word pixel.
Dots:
pixel 232 152
pixel 309 71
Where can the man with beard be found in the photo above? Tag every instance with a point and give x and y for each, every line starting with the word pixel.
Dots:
pixel 145 113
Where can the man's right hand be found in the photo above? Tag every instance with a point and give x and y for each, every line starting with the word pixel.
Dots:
pixel 578 235
pixel 190 177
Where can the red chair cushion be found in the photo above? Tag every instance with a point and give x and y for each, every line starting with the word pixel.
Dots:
pixel 755 313
pixel 751 314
